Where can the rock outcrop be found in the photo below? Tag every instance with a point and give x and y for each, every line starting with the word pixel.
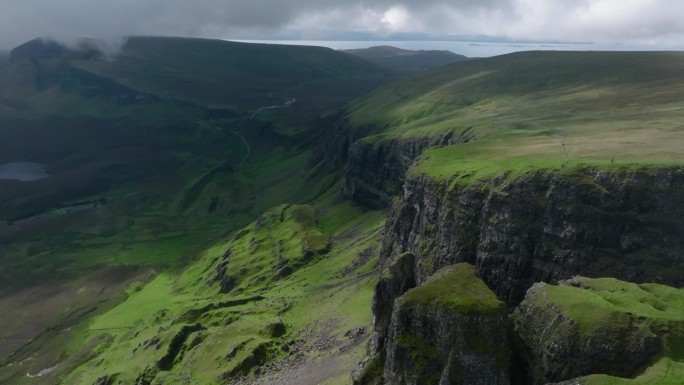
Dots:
pixel 544 226
pixel 375 171
pixel 376 168
pixel 591 326
pixel 451 330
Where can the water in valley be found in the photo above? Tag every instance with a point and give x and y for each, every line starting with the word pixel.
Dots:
pixel 23 171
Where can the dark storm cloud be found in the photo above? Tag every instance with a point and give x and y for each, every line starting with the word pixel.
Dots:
pixel 21 20
pixel 655 21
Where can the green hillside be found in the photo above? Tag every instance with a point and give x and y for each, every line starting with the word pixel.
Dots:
pixel 195 227
pixel 154 157
pixel 237 75
pixel 539 109
pixel 166 140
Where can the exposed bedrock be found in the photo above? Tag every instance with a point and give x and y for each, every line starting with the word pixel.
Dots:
pixel 584 326
pixel 451 330
pixel 375 171
pixel 544 226
pixel 374 167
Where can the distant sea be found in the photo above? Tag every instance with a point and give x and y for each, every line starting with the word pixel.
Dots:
pixel 470 49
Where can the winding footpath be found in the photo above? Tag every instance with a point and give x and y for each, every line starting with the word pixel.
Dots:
pixel 246 146
pixel 285 102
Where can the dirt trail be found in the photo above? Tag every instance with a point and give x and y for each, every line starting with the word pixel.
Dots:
pixel 285 102
pixel 249 150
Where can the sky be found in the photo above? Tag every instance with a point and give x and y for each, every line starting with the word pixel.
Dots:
pixel 656 24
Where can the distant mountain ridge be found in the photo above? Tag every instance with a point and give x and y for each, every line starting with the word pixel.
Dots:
pixel 164 66
pixel 406 61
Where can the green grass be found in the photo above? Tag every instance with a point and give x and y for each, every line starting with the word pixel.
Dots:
pixel 526 111
pixel 228 74
pixel 323 298
pixel 606 301
pixel 652 301
pixel 456 288
pixel 596 305
pixel 664 372
pixel 483 88
pixel 150 163
pixel 516 156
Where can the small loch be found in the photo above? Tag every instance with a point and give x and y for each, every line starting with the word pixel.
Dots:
pixel 23 171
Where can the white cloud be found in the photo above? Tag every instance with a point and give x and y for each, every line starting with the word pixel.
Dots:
pixel 398 18
pixel 656 22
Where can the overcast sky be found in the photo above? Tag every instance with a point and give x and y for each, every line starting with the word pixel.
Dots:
pixel 654 23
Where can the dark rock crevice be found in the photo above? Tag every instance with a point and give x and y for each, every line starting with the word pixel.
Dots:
pixel 176 345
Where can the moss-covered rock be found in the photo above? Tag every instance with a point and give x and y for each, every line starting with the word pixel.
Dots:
pixel 147 375
pixel 275 328
pixel 176 345
pixel 281 241
pixel 588 326
pixel 450 330
pixel 370 371
pixel 456 288
pixel 258 355
pixel 105 380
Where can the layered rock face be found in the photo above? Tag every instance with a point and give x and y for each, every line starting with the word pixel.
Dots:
pixel 517 231
pixel 451 330
pixel 377 166
pixel 374 167
pixel 544 226
pixel 375 171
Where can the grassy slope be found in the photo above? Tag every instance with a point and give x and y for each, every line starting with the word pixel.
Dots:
pixel 166 207
pixel 236 74
pixel 473 295
pixel 539 110
pixel 599 303
pixel 151 161
pixel 322 299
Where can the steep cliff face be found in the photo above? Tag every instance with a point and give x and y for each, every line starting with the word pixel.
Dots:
pixel 541 226
pixel 396 280
pixel 545 226
pixel 377 166
pixel 375 171
pixel 450 330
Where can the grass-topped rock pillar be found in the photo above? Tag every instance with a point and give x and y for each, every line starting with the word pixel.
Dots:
pixel 451 330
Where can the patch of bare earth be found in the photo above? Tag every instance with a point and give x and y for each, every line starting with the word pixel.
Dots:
pixel 319 356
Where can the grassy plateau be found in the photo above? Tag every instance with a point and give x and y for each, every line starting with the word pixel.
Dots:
pixel 538 110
